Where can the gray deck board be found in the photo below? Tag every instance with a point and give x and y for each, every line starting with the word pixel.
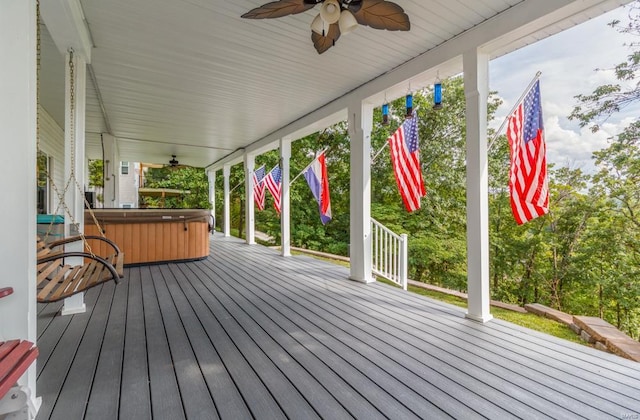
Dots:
pixel 104 400
pixel 356 365
pixel 568 391
pixel 226 395
pixel 309 373
pixel 291 401
pixel 258 398
pixel 249 334
pixel 196 398
pixel 79 381
pixel 61 355
pixel 166 400
pixel 135 396
pixel 414 368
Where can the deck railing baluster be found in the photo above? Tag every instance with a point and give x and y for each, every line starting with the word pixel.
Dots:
pixel 389 252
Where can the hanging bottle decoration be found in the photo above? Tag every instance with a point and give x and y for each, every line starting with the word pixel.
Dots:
pixel 437 94
pixel 409 105
pixel 385 113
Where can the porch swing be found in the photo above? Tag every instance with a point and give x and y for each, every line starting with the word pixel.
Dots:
pixel 57 280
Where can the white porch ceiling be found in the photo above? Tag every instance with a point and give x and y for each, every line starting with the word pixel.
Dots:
pixel 191 78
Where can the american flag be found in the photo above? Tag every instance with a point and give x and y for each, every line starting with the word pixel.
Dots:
pixel 273 181
pixel 405 158
pixel 528 182
pixel 258 187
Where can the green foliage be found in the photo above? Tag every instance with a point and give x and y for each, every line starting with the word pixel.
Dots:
pixel 190 179
pixel 96 168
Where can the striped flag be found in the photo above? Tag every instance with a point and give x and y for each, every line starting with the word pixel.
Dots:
pixel 405 158
pixel 258 187
pixel 316 176
pixel 528 181
pixel 274 184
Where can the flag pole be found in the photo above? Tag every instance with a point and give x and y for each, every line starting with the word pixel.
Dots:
pixel 506 119
pixel 242 182
pixel 386 143
pixel 373 159
pixel 307 167
pixel 233 189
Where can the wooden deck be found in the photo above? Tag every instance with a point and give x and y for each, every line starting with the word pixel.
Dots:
pixel 249 334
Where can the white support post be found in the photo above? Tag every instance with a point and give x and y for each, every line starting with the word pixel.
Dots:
pixel 360 121
pixel 226 172
pixel 74 160
pixel 249 207
pixel 110 195
pixel 476 87
pixel 212 197
pixel 18 174
pixel 285 200
pixel 403 260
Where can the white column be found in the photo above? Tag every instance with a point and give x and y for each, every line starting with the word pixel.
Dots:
pixel 360 123
pixel 249 205
pixel 18 174
pixel 476 87
pixel 226 172
pixel 74 161
pixel 212 196
pixel 285 200
pixel 111 172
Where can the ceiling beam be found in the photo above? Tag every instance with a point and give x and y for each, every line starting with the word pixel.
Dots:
pixel 68 27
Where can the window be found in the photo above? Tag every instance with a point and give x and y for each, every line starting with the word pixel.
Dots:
pixel 124 168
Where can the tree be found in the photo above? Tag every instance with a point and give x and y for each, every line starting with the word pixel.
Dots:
pixel 606 100
pixel 96 177
pixel 615 188
pixel 190 179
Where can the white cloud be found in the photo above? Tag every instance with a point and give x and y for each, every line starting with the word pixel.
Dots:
pixel 567 61
pixel 574 149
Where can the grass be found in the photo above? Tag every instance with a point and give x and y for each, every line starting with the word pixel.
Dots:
pixel 527 320
pixel 331 260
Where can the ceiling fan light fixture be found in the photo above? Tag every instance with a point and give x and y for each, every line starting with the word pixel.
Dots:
pixel 347 22
pixel 330 11
pixel 317 25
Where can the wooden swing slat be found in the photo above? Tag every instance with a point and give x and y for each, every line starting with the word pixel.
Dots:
pixel 58 281
pixel 51 284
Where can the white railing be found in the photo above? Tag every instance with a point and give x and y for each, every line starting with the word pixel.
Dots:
pixel 389 254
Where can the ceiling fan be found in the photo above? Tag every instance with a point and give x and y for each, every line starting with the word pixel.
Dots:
pixel 337 17
pixel 175 164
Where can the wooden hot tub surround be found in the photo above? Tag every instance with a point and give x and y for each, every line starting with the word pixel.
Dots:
pixel 151 236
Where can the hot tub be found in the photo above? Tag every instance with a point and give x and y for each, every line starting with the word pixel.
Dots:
pixel 151 236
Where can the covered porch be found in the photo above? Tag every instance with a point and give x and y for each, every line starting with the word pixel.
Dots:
pixel 144 80
pixel 246 334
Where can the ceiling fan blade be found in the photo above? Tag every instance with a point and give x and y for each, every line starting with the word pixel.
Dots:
pixel 323 43
pixel 382 14
pixel 277 9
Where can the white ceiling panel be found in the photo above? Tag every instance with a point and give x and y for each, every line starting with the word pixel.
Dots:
pixel 192 78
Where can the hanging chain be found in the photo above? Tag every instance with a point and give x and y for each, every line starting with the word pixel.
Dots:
pixel 72 117
pixel 38 147
pixel 38 57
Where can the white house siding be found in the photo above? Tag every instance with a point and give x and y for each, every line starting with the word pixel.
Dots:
pixel 52 144
pixel 128 185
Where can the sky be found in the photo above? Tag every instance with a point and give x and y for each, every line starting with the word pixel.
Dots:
pixel 568 62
